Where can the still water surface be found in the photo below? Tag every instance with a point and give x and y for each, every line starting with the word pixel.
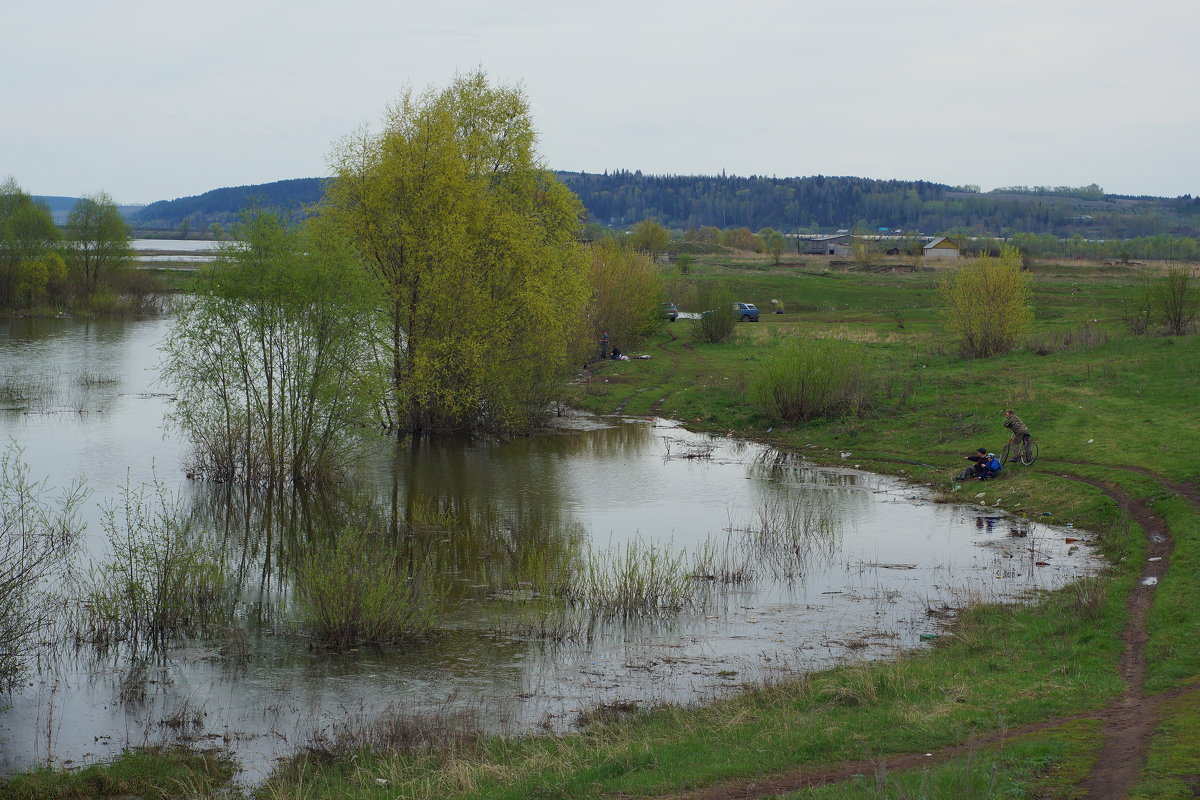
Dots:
pixel 847 565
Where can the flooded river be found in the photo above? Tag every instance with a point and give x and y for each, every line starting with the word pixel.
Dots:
pixel 794 567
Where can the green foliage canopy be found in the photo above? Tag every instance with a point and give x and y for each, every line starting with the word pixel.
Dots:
pixel 649 236
pixel 986 306
pixel 473 247
pixel 626 296
pixel 27 234
pixel 97 239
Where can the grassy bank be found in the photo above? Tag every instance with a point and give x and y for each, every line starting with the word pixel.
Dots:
pixel 150 773
pixel 1104 406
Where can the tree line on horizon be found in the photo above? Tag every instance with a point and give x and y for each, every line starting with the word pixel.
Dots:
pixel 814 204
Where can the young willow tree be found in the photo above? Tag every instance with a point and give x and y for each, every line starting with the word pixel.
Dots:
pixel 1175 301
pixel 627 294
pixel 650 237
pixel 271 358
pixel 98 246
pixel 473 246
pixel 987 305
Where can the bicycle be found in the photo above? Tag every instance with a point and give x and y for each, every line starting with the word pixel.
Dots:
pixel 1027 452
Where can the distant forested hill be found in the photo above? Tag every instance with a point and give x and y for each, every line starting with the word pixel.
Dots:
pixel 813 204
pixel 225 206
pixel 824 204
pixel 786 204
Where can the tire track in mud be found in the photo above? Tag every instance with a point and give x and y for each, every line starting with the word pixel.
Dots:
pixel 1128 723
pixel 658 404
pixel 1131 720
pixel 1188 491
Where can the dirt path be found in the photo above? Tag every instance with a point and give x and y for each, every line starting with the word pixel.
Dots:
pixel 1127 724
pixel 1132 719
pixel 1188 491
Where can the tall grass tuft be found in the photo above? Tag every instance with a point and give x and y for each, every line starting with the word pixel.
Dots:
pixel 638 580
pixel 813 378
pixel 394 730
pixel 365 586
pixel 159 581
pixel 1088 336
pixel 1086 598
pixel 788 534
pixel 725 564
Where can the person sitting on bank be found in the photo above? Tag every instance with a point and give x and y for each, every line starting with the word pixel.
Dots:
pixel 616 354
pixel 986 464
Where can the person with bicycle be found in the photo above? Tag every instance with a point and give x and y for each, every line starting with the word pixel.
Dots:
pixel 1020 432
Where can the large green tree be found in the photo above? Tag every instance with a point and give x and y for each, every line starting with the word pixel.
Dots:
pixel 27 237
pixel 473 245
pixel 97 241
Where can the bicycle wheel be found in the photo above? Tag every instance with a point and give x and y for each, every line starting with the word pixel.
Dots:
pixel 1029 453
pixel 1004 454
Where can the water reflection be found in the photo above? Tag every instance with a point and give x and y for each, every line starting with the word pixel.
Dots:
pixel 760 559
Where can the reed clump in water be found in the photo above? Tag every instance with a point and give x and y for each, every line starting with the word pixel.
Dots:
pixel 366 587
pixel 638 580
pixel 159 581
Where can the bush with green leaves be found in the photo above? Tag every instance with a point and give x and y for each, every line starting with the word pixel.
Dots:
pixel 273 359
pixel 812 378
pixel 626 296
pixel 986 305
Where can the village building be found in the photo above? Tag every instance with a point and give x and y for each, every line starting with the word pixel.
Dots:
pixel 941 247
pixel 826 245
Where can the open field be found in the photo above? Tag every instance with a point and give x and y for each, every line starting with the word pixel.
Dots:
pixel 1031 700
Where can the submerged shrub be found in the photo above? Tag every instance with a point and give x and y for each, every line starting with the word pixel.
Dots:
pixel 271 357
pixel 159 581
pixel 364 588
pixel 37 538
pixel 812 378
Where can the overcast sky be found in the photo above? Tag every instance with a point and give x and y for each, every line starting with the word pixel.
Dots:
pixel 157 100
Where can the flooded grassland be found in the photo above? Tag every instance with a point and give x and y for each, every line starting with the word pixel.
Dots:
pixel 607 562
